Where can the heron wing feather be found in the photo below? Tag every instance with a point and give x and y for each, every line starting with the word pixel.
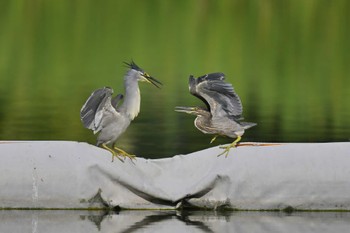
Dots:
pixel 225 94
pixel 218 95
pixel 96 106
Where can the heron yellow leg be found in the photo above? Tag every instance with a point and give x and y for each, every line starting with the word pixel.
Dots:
pixel 213 139
pixel 125 154
pixel 112 151
pixel 227 148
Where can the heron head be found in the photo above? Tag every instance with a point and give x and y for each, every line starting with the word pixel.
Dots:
pixel 141 75
pixel 197 111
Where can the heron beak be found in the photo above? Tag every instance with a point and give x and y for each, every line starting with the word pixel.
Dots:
pixel 152 80
pixel 188 110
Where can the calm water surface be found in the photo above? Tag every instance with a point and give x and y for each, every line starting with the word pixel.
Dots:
pixel 171 221
pixel 288 61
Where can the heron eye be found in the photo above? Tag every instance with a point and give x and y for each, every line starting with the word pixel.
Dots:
pixel 145 74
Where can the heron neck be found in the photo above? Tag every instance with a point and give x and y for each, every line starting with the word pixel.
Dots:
pixel 202 122
pixel 132 99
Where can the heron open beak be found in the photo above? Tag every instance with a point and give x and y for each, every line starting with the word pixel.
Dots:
pixel 188 110
pixel 152 80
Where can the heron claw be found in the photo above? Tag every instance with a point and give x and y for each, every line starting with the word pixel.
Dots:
pixel 125 154
pixel 114 154
pixel 227 148
pixel 129 156
pixel 118 157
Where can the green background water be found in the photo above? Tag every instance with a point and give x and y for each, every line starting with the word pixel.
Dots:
pixel 288 60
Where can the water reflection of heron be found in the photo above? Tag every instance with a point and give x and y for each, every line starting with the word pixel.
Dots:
pixel 153 220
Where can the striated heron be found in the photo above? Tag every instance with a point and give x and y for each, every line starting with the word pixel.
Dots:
pixel 223 113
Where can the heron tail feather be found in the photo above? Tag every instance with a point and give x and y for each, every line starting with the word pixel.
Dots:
pixel 247 125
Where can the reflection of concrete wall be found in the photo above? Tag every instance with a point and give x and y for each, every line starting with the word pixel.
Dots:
pixel 77 175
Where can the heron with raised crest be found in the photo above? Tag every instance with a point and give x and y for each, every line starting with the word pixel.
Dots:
pixel 110 116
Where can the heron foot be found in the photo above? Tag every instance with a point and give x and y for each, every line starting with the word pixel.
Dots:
pixel 227 148
pixel 125 154
pixel 118 157
pixel 114 154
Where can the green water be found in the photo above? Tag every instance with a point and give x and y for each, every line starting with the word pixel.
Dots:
pixel 288 60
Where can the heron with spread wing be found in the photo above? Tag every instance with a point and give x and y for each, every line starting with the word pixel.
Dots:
pixel 110 117
pixel 223 113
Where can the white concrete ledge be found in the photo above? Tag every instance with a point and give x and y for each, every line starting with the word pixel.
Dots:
pixel 61 174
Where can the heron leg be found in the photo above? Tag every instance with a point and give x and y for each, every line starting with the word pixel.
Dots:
pixel 112 151
pixel 227 148
pixel 213 139
pixel 125 154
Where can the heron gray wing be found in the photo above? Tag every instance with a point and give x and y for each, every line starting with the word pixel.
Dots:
pixel 230 100
pixel 211 77
pixel 92 111
pixel 218 95
pixel 116 100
